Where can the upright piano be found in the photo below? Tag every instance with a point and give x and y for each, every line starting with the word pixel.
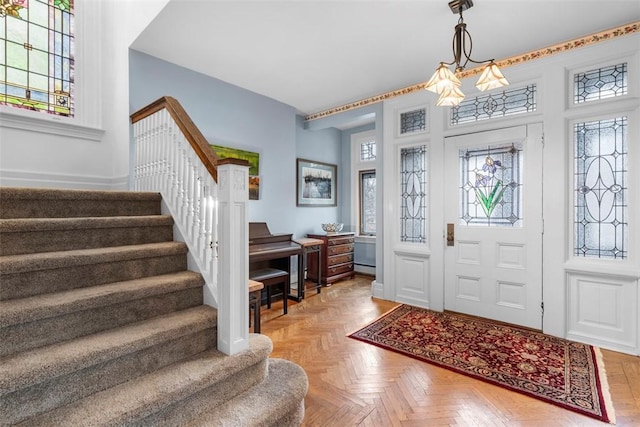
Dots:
pixel 268 250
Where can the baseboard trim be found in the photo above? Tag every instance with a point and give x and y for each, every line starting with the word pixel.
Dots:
pixel 377 289
pixel 364 269
pixel 14 178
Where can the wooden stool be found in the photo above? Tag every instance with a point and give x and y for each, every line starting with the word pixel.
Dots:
pixel 255 291
pixel 271 277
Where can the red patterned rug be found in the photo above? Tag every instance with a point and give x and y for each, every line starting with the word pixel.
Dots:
pixel 565 373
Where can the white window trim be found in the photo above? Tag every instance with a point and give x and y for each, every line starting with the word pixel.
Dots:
pixel 87 91
pixel 358 165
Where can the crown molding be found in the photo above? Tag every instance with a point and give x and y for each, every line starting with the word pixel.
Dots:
pixel 589 40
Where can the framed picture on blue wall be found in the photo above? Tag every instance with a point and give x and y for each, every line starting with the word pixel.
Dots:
pixel 316 183
pixel 254 165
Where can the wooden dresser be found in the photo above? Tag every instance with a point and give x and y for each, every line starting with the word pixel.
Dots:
pixel 337 258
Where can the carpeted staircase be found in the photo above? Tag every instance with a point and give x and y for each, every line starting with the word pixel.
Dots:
pixel 102 324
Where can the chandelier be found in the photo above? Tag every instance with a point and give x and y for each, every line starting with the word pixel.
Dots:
pixel 444 82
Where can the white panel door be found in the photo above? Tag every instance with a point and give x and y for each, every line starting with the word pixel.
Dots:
pixel 493 207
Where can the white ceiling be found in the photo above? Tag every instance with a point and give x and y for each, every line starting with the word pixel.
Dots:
pixel 315 55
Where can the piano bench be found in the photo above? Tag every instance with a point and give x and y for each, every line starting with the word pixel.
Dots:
pixel 271 277
pixel 255 289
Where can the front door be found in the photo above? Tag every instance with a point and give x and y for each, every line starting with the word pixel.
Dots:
pixel 493 215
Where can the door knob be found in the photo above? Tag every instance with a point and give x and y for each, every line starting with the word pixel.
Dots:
pixel 450 235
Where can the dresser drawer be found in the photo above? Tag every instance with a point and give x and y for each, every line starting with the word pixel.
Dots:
pixel 339 259
pixel 334 241
pixel 344 268
pixel 341 249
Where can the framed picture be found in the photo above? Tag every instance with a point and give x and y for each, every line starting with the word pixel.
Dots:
pixel 254 166
pixel 316 183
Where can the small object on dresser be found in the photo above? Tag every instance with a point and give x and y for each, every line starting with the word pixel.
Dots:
pixel 332 227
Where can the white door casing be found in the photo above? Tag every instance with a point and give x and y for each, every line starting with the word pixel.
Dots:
pixel 494 268
pixel 413 268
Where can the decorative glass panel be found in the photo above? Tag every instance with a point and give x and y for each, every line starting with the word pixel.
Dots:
pixel 368 150
pixel 413 121
pixel 500 104
pixel 491 186
pixel 37 55
pixel 413 203
pixel 368 202
pixel 600 83
pixel 600 189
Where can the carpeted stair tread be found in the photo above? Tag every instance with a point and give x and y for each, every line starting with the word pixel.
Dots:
pixel 12 264
pixel 39 307
pixel 49 224
pixel 36 202
pixel 39 194
pixel 277 401
pixel 145 395
pixel 38 365
pixel 33 235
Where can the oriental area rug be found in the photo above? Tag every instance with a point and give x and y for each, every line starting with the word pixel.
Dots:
pixel 558 371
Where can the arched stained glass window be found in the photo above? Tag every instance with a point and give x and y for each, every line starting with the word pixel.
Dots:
pixel 37 55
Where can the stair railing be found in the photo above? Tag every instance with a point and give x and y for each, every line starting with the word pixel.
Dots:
pixel 171 156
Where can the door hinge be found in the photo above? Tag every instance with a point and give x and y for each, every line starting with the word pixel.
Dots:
pixel 542 307
pixel 542 139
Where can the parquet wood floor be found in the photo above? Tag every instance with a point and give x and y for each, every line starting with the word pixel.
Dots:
pixel 352 383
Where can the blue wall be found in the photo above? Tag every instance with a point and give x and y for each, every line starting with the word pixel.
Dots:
pixel 321 145
pixel 235 117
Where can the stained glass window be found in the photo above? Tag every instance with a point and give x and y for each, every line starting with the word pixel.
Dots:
pixel 500 104
pixel 600 189
pixel 368 150
pixel 413 203
pixel 413 121
pixel 37 54
pixel 601 83
pixel 368 202
pixel 491 186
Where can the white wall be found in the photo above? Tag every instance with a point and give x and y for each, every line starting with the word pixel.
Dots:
pixel 92 149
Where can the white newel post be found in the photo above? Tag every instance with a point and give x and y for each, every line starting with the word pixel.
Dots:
pixel 233 256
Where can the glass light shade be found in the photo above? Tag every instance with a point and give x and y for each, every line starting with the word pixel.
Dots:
pixel 442 79
pixel 491 78
pixel 450 97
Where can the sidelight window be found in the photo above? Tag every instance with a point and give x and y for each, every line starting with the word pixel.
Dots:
pixel 601 189
pixel 413 194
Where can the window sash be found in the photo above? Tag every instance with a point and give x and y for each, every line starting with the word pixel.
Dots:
pixel 367 202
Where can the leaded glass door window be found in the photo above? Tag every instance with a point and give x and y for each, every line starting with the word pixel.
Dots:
pixel 491 185
pixel 37 55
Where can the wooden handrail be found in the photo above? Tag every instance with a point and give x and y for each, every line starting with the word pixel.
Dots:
pixel 198 142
